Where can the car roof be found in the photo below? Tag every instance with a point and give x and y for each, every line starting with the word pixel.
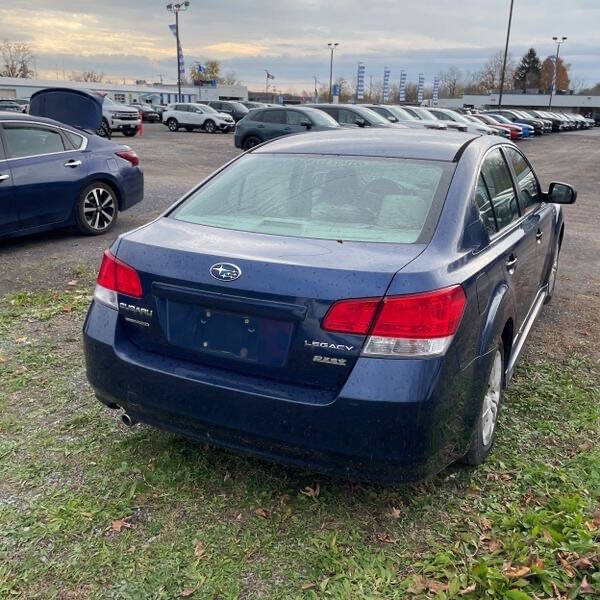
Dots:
pixel 391 143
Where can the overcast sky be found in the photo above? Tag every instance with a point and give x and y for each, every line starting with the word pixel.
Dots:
pixel 130 38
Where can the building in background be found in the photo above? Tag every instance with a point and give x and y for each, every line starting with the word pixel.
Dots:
pixel 128 93
pixel 582 104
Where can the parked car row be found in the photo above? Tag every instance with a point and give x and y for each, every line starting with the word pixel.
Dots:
pixel 265 122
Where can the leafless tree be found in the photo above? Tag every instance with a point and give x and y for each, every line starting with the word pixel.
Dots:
pixel 229 78
pixel 17 60
pixel 451 82
pixel 489 77
pixel 88 76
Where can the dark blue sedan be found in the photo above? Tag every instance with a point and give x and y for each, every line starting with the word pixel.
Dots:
pixel 350 302
pixel 54 175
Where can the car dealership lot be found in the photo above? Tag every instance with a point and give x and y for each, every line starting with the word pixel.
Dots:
pixel 90 509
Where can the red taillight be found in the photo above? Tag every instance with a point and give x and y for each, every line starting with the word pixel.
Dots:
pixel 414 316
pixel 129 155
pixel 351 316
pixel 421 316
pixel 119 277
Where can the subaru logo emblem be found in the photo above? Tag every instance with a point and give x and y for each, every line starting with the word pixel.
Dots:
pixel 225 272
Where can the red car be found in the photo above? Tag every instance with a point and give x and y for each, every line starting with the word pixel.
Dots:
pixel 516 132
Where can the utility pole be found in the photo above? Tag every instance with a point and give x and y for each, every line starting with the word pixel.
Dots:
pixel 505 54
pixel 177 8
pixel 555 76
pixel 332 47
pixel 316 84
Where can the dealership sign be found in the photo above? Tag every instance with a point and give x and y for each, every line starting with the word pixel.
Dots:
pixel 360 82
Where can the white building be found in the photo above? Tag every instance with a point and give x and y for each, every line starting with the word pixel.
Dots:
pixel 560 102
pixel 12 87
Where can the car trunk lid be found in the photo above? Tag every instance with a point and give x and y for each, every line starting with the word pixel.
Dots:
pixel 265 322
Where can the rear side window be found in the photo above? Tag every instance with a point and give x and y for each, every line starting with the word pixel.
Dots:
pixel 31 140
pixel 324 197
pixel 181 107
pixel 75 139
pixel 529 191
pixel 274 116
pixel 500 187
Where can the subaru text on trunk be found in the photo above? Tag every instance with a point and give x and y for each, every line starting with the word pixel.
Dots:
pixel 346 301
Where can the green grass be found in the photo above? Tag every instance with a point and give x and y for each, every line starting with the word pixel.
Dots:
pixel 210 524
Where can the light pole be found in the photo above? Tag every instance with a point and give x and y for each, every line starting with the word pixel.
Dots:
pixel 177 7
pixel 332 47
pixel 505 54
pixel 558 42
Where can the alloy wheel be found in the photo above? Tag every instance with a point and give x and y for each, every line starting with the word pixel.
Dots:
pixel 491 400
pixel 209 127
pixel 99 208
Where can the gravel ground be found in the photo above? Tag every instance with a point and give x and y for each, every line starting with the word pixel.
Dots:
pixel 174 162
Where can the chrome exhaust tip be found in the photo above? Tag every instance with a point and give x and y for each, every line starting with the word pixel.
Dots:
pixel 127 420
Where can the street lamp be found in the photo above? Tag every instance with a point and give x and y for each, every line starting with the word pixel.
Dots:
pixel 558 42
pixel 505 54
pixel 177 7
pixel 332 47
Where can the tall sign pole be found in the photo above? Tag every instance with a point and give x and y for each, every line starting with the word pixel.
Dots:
pixel 505 54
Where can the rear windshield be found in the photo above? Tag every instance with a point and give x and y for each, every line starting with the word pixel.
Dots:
pixel 324 197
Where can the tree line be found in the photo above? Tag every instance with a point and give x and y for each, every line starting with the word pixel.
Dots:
pixel 530 74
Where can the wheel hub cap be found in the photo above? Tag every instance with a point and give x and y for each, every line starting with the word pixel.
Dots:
pixel 99 208
pixel 491 400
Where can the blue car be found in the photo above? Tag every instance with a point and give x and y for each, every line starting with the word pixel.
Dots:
pixel 346 301
pixel 54 175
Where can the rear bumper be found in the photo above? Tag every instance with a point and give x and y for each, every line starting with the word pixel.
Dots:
pixel 132 188
pixel 392 420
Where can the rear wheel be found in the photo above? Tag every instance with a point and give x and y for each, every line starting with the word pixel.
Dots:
pixel 97 209
pixel 104 129
pixel 485 431
pixel 209 126
pixel 172 124
pixel 250 142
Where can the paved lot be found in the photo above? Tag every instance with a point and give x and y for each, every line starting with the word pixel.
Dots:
pixel 174 162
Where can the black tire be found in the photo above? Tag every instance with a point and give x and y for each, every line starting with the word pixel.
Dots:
pixel 97 209
pixel 189 129
pixel 104 129
pixel 483 438
pixel 172 124
pixel 209 126
pixel 552 276
pixel 250 142
pixel 129 132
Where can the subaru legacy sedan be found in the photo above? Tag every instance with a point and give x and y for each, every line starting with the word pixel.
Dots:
pixel 350 303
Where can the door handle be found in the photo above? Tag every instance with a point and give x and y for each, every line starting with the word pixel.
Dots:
pixel 72 163
pixel 4 177
pixel 287 128
pixel 511 264
pixel 260 126
pixel 538 236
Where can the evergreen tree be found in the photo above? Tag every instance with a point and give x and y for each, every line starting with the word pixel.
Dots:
pixel 527 74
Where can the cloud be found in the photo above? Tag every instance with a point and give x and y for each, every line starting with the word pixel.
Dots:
pixel 131 38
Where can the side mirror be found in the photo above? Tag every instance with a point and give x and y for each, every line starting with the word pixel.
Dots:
pixel 306 124
pixel 392 119
pixel 561 193
pixel 360 122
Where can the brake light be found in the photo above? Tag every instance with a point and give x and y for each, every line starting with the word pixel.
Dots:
pixel 116 277
pixel 129 155
pixel 351 316
pixel 401 326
